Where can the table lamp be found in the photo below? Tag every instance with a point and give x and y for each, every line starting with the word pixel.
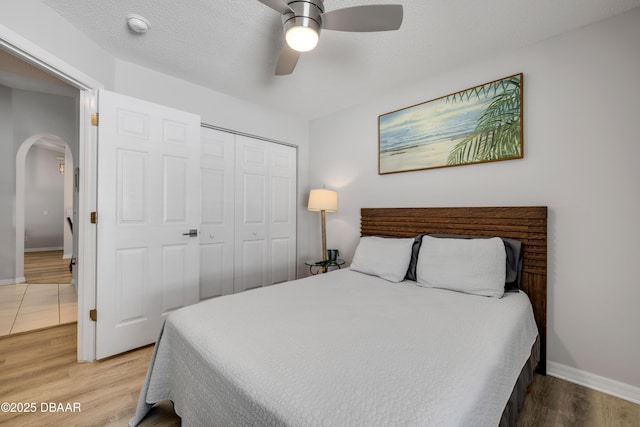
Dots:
pixel 324 201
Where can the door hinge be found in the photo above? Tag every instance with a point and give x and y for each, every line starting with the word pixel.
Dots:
pixel 94 119
pixel 94 217
pixel 93 315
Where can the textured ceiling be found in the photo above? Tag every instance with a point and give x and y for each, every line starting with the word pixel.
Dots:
pixel 231 46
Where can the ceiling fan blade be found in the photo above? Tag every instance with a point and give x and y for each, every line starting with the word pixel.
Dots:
pixel 287 60
pixel 279 5
pixel 379 17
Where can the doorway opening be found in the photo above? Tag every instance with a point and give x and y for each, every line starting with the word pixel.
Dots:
pixel 46 200
pixel 45 249
pixel 53 73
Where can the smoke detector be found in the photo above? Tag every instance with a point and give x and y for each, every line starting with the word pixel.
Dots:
pixel 137 23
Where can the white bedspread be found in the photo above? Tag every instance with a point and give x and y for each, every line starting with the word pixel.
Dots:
pixel 341 349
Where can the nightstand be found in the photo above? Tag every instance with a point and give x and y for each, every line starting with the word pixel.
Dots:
pixel 323 266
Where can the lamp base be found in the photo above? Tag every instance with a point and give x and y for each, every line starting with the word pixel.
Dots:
pixel 323 219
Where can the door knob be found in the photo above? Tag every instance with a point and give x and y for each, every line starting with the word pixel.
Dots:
pixel 192 233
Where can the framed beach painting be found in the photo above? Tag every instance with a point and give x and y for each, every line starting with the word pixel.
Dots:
pixel 476 125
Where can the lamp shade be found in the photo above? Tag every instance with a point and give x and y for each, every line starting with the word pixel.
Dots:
pixel 323 200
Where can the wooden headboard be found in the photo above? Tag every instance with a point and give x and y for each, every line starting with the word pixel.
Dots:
pixel 525 223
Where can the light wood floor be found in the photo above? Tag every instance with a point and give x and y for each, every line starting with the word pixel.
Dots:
pixel 47 299
pixel 554 402
pixel 41 367
pixel 46 267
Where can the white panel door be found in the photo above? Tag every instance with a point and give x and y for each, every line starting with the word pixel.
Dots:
pixel 217 164
pixel 148 199
pixel 252 206
pixel 265 213
pixel 282 220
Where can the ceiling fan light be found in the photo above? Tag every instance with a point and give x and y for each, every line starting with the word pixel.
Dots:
pixel 302 39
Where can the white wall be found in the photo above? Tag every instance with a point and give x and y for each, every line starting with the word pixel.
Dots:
pixel 7 189
pixel 35 113
pixel 44 27
pixel 44 200
pixel 581 143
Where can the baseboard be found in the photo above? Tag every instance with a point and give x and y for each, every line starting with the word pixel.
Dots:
pixel 67 256
pixel 12 281
pixel 596 382
pixel 54 248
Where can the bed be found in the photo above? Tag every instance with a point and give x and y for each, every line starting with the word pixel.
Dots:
pixel 355 349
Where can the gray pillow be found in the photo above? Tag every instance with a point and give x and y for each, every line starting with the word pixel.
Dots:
pixel 411 272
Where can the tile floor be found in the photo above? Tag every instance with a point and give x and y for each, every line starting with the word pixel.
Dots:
pixel 25 307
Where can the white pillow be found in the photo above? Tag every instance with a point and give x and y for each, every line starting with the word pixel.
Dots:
pixel 387 258
pixel 473 266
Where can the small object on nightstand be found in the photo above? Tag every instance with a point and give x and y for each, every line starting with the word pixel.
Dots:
pixel 332 254
pixel 323 266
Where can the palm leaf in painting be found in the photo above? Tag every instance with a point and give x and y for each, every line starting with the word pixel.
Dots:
pixel 497 132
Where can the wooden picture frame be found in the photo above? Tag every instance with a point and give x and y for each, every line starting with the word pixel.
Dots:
pixel 476 125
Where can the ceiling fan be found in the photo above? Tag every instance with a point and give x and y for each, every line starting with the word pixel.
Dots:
pixel 302 21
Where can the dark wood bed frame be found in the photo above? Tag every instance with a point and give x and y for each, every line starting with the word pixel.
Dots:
pixel 525 223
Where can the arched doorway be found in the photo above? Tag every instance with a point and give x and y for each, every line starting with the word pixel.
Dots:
pixel 21 195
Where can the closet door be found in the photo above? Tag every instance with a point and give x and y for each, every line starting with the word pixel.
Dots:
pixel 252 205
pixel 265 243
pixel 282 218
pixel 217 167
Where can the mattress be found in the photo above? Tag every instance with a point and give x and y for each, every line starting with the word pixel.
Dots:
pixel 341 348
